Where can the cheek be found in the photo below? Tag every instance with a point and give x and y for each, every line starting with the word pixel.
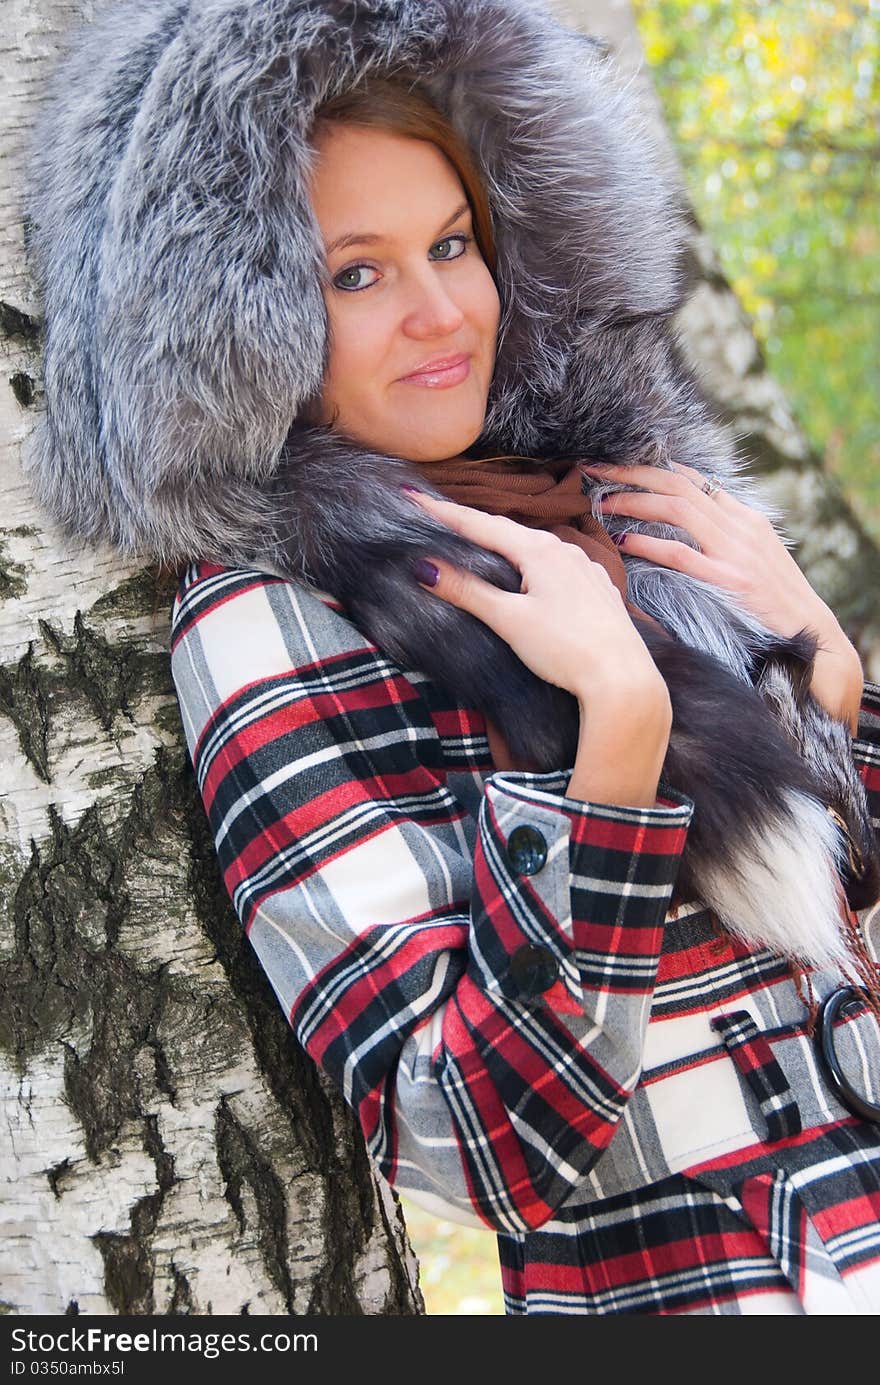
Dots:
pixel 353 354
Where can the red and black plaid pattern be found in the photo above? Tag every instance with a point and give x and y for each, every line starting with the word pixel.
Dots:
pixel 754 1060
pixel 792 1232
pixel 365 841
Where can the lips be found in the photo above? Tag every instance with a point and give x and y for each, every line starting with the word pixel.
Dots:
pixel 441 371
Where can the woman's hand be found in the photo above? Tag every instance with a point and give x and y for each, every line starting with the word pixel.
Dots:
pixel 738 550
pixel 568 623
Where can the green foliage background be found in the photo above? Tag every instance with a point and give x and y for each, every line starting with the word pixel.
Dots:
pixel 774 106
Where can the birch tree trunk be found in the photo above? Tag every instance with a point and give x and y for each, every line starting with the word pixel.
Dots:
pixel 166 1146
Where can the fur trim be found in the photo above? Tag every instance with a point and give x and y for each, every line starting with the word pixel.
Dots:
pixel 185 328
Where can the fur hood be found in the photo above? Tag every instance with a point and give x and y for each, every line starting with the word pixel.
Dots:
pixel 178 255
pixel 185 329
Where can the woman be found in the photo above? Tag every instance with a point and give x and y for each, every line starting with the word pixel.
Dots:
pixel 559 907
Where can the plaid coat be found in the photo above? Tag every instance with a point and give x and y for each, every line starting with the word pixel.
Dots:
pixel 491 974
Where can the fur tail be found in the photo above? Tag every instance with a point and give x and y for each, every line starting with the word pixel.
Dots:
pixel 784 890
pixel 763 851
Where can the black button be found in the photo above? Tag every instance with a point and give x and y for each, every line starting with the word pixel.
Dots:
pixel 526 850
pixel 533 968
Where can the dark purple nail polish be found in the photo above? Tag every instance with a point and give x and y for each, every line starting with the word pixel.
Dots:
pixel 405 487
pixel 426 572
pixel 619 539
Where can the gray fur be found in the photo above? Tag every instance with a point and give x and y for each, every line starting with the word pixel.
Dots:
pixel 181 271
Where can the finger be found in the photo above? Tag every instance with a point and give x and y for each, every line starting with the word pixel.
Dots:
pixel 464 589
pixel 654 478
pixel 518 543
pixel 671 553
pixel 732 505
pixel 668 508
pixel 677 479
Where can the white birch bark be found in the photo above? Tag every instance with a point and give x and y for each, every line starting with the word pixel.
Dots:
pixel 165 1146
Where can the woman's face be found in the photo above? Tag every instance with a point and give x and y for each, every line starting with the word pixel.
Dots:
pixel 410 288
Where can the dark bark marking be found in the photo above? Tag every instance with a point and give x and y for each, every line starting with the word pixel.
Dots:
pixel 23 387
pixel 154 1146
pixel 400 1296
pixel 108 675
pixel 13 577
pixel 67 909
pixel 182 1299
pixel 347 1223
pixel 241 1163
pixel 127 1273
pixel 55 1176
pixel 16 323
pixel 129 1268
pixel 111 678
pixel 24 700
pixel 324 1129
pixel 144 591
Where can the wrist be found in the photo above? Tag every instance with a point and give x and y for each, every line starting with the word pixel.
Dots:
pixel 641 700
pixel 621 751
pixel 838 681
pixel 832 638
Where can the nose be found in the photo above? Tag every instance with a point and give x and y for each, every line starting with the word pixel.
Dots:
pixel 433 311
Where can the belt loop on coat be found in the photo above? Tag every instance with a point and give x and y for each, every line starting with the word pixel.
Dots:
pixel 756 1064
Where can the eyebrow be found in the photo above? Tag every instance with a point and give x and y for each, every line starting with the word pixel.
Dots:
pixel 370 238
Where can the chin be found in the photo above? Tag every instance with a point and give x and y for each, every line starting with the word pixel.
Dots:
pixel 441 448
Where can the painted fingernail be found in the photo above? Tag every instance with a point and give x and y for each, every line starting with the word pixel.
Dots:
pixel 426 573
pixel 619 539
pixel 415 489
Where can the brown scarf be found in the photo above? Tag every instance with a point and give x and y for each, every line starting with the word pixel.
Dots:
pixel 549 498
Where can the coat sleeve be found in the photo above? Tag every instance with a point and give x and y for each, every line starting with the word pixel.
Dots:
pixel 866 753
pixel 866 750
pixel 478 991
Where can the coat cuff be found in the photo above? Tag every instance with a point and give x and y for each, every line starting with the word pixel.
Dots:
pixel 568 894
pixel 867 737
pixel 866 748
